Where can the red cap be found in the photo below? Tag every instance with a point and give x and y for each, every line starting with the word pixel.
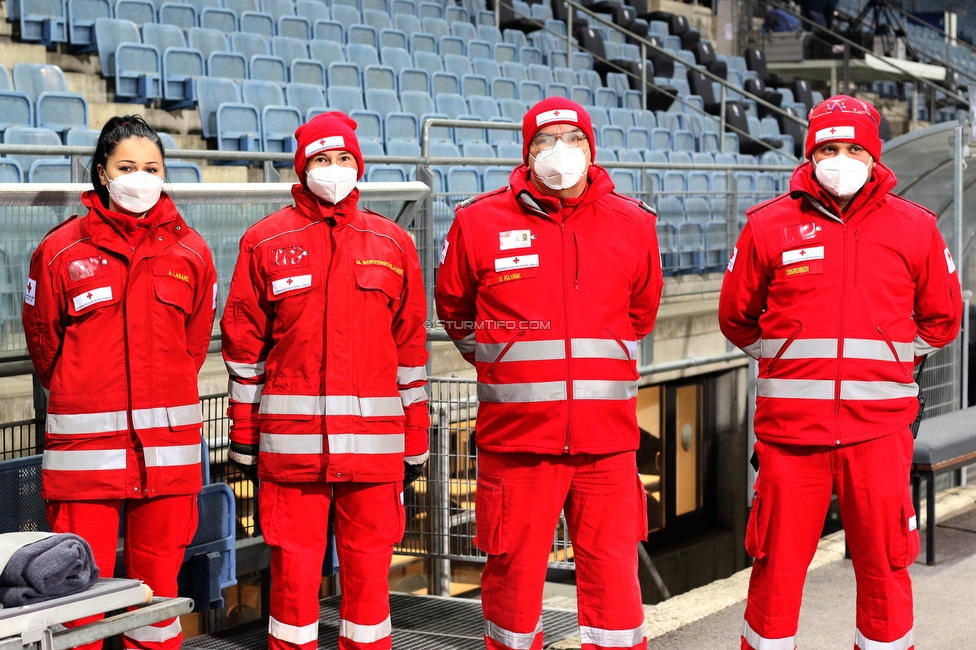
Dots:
pixel 555 110
pixel 323 132
pixel 845 119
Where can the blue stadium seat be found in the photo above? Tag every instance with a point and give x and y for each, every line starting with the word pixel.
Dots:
pixel 530 92
pixel 343 74
pixel 392 38
pixel 716 246
pixel 510 151
pixel 134 65
pixel 381 77
pixel 289 48
pixel 599 116
pixel 82 15
pixel 478 49
pixel 638 138
pixel 326 52
pixel 409 24
pixel 176 13
pixel 430 9
pixel 385 174
pixel 421 42
pixel 32 79
pixel 484 107
pixel 32 136
pixel 10 171
pixel 294 27
pixel 667 239
pixel 626 181
pixel 365 34
pixel 346 15
pixel 308 71
pixel 457 64
pixel 16 109
pixel 691 247
pixel 240 6
pixel 605 97
pixel 503 88
pixel 265 67
pixel 200 5
pixel 611 137
pixel 378 20
pixel 277 8
pixel 400 126
pixel 463 180
pixel 675 182
pixel 207 41
pixel 249 45
pixel 495 177
pixel 697 209
pixel 428 61
pixel 413 79
pixel 582 95
pixel 444 82
pixel 43 22
pixel 227 65
pixel 329 30
pixel 235 125
pixel 513 109
pixel 141 12
pixel 661 139
pixel 453 14
pixel 397 58
pixel 49 171
pixel 382 100
pixel 621 117
pixel 369 126
pixel 474 85
pixel 304 97
pixel 223 20
pixel 408 7
pixel 59 111
pixel 362 54
pixel 375 5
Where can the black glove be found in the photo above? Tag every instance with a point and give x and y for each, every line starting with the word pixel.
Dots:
pixel 244 458
pixel 412 472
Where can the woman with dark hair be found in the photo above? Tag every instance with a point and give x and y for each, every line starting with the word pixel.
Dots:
pixel 118 314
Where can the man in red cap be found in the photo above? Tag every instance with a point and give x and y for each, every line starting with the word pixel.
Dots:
pixel 324 340
pixel 838 289
pixel 546 286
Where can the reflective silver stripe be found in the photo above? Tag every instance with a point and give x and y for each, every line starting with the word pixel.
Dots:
pixel 521 351
pixel 465 345
pixel 753 349
pixel 82 423
pixel 612 638
pixel 153 634
pixel 72 461
pixel 922 348
pixel 365 443
pixel 514 640
pixel 801 348
pixel 601 389
pixel 539 391
pixel 757 642
pixel 365 633
pixel 244 393
pixel 795 388
pixel 290 443
pixel 167 416
pixel 412 396
pixel 877 350
pixel 299 635
pixel 172 456
pixel 245 370
pixel 903 643
pixel 877 390
pixel 331 405
pixel 410 374
pixel 603 349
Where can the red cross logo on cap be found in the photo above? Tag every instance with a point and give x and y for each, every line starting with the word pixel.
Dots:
pixel 288 281
pixel 515 259
pixel 89 295
pixel 803 252
pixel 555 113
pixel 833 131
pixel 322 141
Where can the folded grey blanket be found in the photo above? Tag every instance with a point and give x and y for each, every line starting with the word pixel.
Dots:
pixel 59 565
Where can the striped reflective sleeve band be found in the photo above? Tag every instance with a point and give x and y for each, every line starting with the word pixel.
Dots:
pixel 297 634
pixel 465 345
pixel 80 461
pixel 600 389
pixel 753 349
pixel 795 388
pixel 365 443
pixel 903 643
pixel 513 640
pixel 412 396
pixel 540 391
pixel 802 348
pixel 757 642
pixel 168 416
pixel 407 375
pixel 520 351
pixel 877 390
pixel 877 350
pixel 331 405
pixel 154 634
pixel 612 638
pixel 365 633
pixel 603 349
pixel 172 456
pixel 294 443
pixel 245 370
pixel 81 423
pixel 244 393
pixel 921 348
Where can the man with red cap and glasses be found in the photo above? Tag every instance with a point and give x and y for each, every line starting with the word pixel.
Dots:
pixel 546 286
pixel 837 288
pixel 324 340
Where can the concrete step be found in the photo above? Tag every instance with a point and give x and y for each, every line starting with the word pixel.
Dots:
pixel 223 173
pixel 177 122
pixel 93 87
pixel 87 63
pixel 11 53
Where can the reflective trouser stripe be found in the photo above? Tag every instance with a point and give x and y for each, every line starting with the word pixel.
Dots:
pixel 331 405
pixel 514 640
pixel 172 456
pixel 245 370
pixel 410 374
pixel 540 391
pixel 364 443
pixel 757 642
pixel 410 396
pixel 152 634
pixel 365 633
pixel 465 345
pixel 299 635
pixel 82 423
pixel 603 349
pixel 612 638
pixel 824 389
pixel 875 349
pixel 99 459
pixel 244 393
pixel 903 643
pixel 600 389
pixel 283 443
pixel 167 416
pixel 521 351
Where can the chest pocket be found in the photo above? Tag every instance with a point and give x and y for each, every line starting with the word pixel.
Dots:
pixel 173 288
pixel 90 285
pixel 380 276
pixel 289 272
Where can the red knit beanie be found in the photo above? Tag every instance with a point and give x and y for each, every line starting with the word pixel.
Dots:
pixel 555 110
pixel 323 132
pixel 843 118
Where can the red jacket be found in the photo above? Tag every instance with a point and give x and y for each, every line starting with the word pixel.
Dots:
pixel 118 325
pixel 324 338
pixel 548 301
pixel 837 309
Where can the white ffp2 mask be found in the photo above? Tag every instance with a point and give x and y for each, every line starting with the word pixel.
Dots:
pixel 135 192
pixel 841 176
pixel 560 167
pixel 332 183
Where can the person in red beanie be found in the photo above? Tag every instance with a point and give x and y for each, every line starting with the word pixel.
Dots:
pixel 546 286
pixel 324 340
pixel 838 289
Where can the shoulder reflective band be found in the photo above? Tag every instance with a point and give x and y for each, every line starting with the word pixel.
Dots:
pixel 603 349
pixel 756 641
pixel 245 370
pixel 521 351
pixel 540 391
pixel 81 423
pixel 155 634
pixel 514 640
pixel 365 633
pixel 331 405
pixel 298 635
pixel 410 396
pixel 603 389
pixel 365 443
pixel 612 638
pixel 172 456
pixel 284 443
pixel 244 393
pixel 408 375
pixel 167 416
pixel 82 461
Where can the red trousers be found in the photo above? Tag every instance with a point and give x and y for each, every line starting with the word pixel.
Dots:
pixel 157 532
pixel 369 520
pixel 792 495
pixel 517 508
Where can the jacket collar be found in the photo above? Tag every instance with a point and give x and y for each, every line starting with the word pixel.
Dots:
pixel 314 208
pixel 804 185
pixel 164 224
pixel 598 185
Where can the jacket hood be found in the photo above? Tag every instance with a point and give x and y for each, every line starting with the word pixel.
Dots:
pixel 804 184
pixel 310 205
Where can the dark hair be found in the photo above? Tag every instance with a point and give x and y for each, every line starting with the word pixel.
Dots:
pixel 116 130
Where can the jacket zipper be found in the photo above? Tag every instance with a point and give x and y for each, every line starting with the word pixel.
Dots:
pixel 840 332
pixel 508 346
pixel 857 252
pixel 894 353
pixel 131 428
pixel 576 246
pixel 566 340
pixel 787 343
